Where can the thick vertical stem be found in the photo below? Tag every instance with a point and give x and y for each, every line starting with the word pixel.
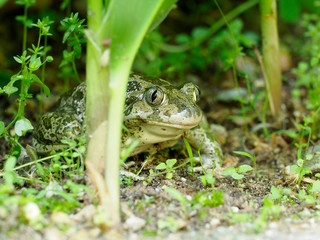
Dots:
pixel 270 50
pixel 97 78
pixel 97 87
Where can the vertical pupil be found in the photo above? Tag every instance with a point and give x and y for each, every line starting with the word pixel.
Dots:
pixel 154 95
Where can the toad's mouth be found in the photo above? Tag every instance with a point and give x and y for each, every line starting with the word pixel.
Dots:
pixel 172 125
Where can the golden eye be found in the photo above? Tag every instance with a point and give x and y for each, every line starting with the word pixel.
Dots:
pixel 154 96
pixel 192 91
pixel 196 93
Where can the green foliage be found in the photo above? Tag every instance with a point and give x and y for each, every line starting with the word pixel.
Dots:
pixel 207 178
pixel 168 167
pixel 241 217
pixel 282 195
pixel 74 37
pixel 253 158
pixel 31 204
pixel 208 199
pixel 168 223
pixel 219 47
pixel 236 173
pixel 307 74
pixel 289 10
pixel 300 168
pixel 22 126
pixel 310 195
pixel 189 150
pixel 10 176
pixel 269 212
pixel 31 61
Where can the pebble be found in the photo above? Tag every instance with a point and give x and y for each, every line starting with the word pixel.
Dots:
pixel 31 211
pixel 214 222
pixel 235 209
pixel 61 218
pixel 134 223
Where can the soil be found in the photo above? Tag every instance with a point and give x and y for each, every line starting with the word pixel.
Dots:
pixel 145 205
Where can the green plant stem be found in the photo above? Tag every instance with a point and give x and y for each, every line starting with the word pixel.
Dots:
pixel 270 53
pixel 212 30
pixel 75 70
pixel 305 157
pixel 74 64
pixel 24 42
pixel 264 114
pixel 32 180
pixel 43 74
pixel 241 100
pixel 11 124
pixel 36 161
pixel 255 166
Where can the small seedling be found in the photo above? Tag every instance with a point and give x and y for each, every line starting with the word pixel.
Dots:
pixel 253 158
pixel 269 211
pixel 168 223
pixel 279 194
pixel 189 150
pixel 236 173
pixel 300 168
pixel 208 199
pixel 168 167
pixel 208 178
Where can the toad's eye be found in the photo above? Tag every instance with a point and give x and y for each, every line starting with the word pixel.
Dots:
pixel 196 94
pixel 192 91
pixel 154 96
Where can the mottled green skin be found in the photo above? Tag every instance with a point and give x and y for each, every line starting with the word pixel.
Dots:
pixel 156 124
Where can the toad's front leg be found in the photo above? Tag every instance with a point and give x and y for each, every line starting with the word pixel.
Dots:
pixel 211 153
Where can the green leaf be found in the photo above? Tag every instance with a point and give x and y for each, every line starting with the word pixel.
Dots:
pixel 315 186
pixel 310 199
pixel 244 168
pixel 22 126
pixel 161 166
pixel 35 63
pixel 171 162
pixel 207 179
pixel 237 176
pixel 189 149
pixel 295 168
pixel 309 157
pixel 300 162
pixel 36 79
pixel 169 175
pixel 276 193
pixel 2 2
pixel 244 154
pixel 1 127
pixel 289 10
pixel 229 171
pixel 199 32
pixel 10 164
pixel 10 89
pixel 18 60
pixel 162 14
